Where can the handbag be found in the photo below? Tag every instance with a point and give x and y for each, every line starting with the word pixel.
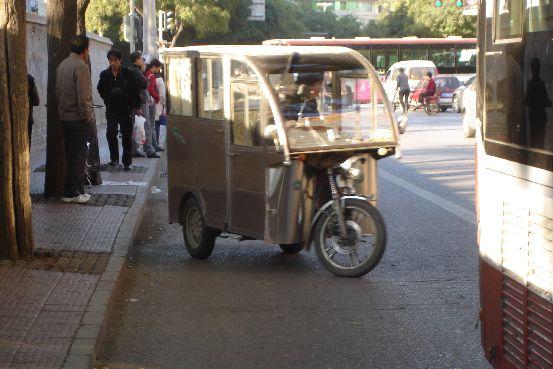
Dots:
pixel 138 132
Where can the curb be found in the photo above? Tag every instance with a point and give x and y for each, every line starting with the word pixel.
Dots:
pixel 84 348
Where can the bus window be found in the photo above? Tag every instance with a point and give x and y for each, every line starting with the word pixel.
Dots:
pixel 414 54
pixel 466 60
pixel 538 16
pixel 211 89
pixel 444 59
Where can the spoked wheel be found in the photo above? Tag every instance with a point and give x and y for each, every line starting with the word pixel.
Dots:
pixel 361 249
pixel 431 108
pixel 198 239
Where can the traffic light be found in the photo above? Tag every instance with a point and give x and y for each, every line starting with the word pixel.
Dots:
pixel 169 21
pixel 438 3
pixel 459 3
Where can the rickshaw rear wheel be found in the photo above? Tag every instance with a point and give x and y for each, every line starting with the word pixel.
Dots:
pixel 292 248
pixel 350 247
pixel 198 238
pixel 431 108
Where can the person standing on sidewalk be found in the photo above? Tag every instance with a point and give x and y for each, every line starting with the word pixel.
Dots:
pixel 118 89
pixel 138 67
pixel 34 100
pixel 74 94
pixel 161 105
pixel 153 69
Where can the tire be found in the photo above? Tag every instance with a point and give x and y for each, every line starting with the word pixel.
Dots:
pixel 292 248
pixel 198 239
pixel 431 109
pixel 455 104
pixel 327 222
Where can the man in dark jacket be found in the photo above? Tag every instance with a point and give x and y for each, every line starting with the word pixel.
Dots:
pixel 138 67
pixel 34 100
pixel 118 89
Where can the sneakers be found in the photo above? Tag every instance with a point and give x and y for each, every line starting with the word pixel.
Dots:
pixel 159 149
pixel 127 168
pixel 153 156
pixel 113 163
pixel 139 155
pixel 81 199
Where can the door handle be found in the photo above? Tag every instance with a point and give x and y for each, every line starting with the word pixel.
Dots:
pixel 234 154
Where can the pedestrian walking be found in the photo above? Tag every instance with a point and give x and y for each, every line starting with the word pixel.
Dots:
pixel 74 94
pixel 118 89
pixel 34 100
pixel 161 105
pixel 404 90
pixel 138 67
pixel 151 74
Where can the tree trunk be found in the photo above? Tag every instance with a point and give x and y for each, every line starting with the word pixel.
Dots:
pixel 62 26
pixel 184 35
pixel 16 236
pixel 81 13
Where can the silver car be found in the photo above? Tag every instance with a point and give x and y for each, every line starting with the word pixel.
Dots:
pixel 469 111
pixel 457 102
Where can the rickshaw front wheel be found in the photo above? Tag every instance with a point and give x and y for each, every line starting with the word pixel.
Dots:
pixel 292 248
pixel 361 249
pixel 198 238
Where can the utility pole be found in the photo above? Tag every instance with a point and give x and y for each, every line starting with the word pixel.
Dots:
pixel 149 28
pixel 132 38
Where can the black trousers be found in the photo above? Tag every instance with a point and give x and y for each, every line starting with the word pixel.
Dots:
pixel 122 121
pixel 76 135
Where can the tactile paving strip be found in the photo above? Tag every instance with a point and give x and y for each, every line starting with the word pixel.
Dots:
pixel 96 199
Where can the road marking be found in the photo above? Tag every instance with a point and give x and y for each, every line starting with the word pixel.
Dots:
pixel 454 209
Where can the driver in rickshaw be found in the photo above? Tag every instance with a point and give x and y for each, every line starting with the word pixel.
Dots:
pixel 301 99
pixel 430 88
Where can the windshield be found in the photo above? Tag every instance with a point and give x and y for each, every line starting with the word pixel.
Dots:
pixel 447 82
pixel 331 100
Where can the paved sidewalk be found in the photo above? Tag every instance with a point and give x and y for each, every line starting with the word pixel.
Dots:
pixel 52 308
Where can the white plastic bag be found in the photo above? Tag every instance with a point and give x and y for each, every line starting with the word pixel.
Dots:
pixel 138 132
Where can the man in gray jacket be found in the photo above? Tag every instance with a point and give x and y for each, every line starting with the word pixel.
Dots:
pixel 404 89
pixel 74 95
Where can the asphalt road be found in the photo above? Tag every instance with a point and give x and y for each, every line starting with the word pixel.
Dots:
pixel 251 306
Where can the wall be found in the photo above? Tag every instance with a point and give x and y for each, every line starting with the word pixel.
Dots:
pixel 37 66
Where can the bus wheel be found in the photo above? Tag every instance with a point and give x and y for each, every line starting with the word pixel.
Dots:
pixel 198 239
pixel 292 248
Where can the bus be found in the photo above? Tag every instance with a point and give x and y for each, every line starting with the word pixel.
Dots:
pixel 514 181
pixel 452 55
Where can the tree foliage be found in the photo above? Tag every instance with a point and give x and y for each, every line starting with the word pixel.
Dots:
pixel 105 17
pixel 423 19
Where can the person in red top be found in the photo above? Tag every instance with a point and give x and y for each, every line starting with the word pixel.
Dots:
pixel 153 68
pixel 430 87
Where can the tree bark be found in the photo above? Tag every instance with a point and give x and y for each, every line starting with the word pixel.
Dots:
pixel 62 26
pixel 16 236
pixel 82 5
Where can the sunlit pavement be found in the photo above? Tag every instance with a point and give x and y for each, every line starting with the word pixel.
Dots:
pixel 250 306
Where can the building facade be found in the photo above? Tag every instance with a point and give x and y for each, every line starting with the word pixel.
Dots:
pixel 364 11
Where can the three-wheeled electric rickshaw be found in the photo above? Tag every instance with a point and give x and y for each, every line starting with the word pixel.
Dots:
pixel 279 144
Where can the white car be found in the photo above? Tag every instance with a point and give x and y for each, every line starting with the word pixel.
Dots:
pixel 469 111
pixel 415 70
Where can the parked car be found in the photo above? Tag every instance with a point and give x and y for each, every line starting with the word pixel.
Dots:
pixel 415 70
pixel 457 99
pixel 469 111
pixel 446 84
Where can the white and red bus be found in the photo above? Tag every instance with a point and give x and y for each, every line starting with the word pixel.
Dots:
pixel 515 181
pixel 452 55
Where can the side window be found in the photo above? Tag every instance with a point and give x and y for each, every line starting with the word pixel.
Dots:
pixel 210 89
pixel 251 112
pixel 394 74
pixel 180 86
pixel 509 15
